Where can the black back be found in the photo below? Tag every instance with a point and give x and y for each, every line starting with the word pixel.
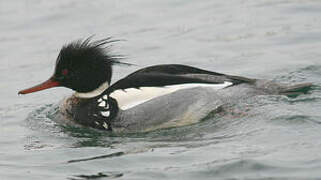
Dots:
pixel 172 74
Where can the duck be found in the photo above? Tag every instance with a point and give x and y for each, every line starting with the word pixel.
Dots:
pixel 151 98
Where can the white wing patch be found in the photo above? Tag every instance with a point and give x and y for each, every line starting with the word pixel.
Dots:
pixel 102 103
pixel 105 113
pixel 105 125
pixel 131 97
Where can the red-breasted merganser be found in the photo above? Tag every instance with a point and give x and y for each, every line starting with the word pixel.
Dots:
pixel 154 97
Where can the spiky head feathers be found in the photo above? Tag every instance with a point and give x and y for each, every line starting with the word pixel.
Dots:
pixel 84 65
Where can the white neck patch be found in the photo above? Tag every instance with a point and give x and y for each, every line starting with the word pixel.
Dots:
pixel 93 93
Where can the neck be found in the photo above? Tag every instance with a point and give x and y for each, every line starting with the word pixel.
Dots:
pixel 93 93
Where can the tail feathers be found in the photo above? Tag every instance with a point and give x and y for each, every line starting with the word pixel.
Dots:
pixel 295 90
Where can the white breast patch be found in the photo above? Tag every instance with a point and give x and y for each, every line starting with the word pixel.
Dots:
pixel 131 97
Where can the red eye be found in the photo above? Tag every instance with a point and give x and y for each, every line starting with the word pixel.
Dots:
pixel 64 72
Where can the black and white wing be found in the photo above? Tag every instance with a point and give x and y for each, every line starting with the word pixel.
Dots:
pixel 154 81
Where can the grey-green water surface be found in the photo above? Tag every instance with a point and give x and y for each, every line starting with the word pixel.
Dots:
pixel 266 137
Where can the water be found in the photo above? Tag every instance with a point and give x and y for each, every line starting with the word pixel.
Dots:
pixel 267 137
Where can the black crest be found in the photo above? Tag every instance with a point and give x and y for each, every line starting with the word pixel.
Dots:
pixel 84 65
